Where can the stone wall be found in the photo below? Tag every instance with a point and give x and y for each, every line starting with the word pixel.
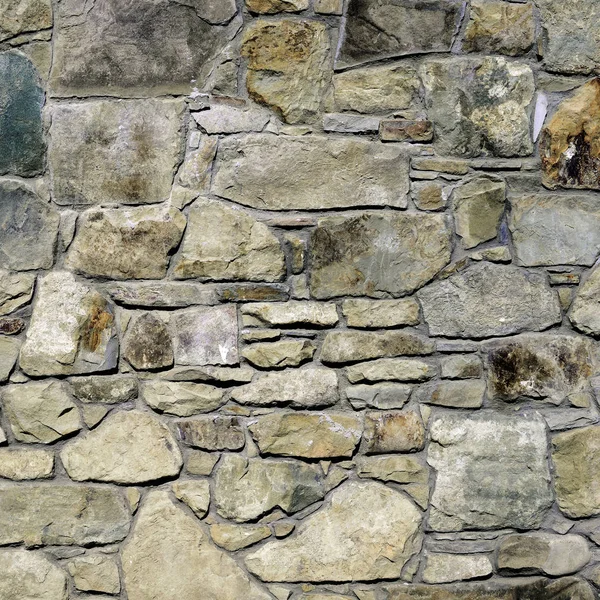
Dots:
pixel 298 299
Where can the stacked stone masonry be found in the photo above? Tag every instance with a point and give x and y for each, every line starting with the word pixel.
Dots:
pixel 299 300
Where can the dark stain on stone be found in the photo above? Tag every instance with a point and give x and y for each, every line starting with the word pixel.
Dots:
pixel 11 326
pixel 254 293
pixel 99 319
pixel 148 344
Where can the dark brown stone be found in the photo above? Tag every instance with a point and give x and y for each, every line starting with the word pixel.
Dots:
pixel 212 433
pixel 148 344
pixel 406 130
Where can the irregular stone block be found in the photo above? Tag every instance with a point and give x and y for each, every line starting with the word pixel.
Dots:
pixel 128 447
pixel 200 572
pixel 277 355
pixel 22 16
pixel 28 229
pixel 381 313
pixel 9 352
pixel 452 394
pixel 235 537
pixel 393 432
pixel 446 568
pixel 399 469
pixel 181 399
pixel 479 105
pixel 481 485
pixel 307 435
pixel 62 515
pixel 214 374
pixel 384 396
pixel 123 152
pixel 584 314
pixel 16 290
pixel 147 344
pixel 235 247
pixel 288 66
pixel 429 196
pixel 212 433
pixel 111 389
pixel 489 300
pixel 542 230
pixel 376 29
pixel 352 554
pixel 201 463
pixel 391 369
pixel 253 292
pixel 406 130
pixel 95 573
pixel 461 367
pixel 299 168
pixel 195 172
pixel 377 252
pixel 19 465
pixel 162 294
pixel 316 314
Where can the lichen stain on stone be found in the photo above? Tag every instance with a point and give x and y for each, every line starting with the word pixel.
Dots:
pixel 99 319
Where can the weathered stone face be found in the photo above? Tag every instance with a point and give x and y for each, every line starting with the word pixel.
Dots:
pixel 22 464
pixel 391 369
pixel 381 29
pixel 393 432
pixel 483 485
pixel 141 48
pixel 377 252
pixel 212 433
pixel 16 289
pixel 479 105
pixel 104 389
pixel 280 314
pixel 95 573
pixel 268 7
pixel 369 173
pixel 489 300
pixel 584 313
pixel 182 399
pixel 277 355
pixel 106 151
pixel 147 344
pixel 446 568
pixel 20 16
pixel 9 352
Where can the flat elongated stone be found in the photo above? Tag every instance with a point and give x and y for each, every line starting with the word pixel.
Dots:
pixel 484 485
pixel 20 465
pixel 212 433
pixel 377 252
pixel 109 389
pixel 328 546
pixel 381 313
pixel 375 175
pixel 127 447
pixel 298 388
pixel 269 7
pixel 286 353
pixel 122 152
pixel 308 435
pixel 391 369
pixel 487 300
pixel 445 568
pixel 584 314
pixel 65 515
pixel 138 49
pixel 162 294
pixel 393 432
pixel 479 105
pixel 453 394
pixel 182 399
pixel 9 353
pixel 169 556
pixel 234 247
pixel 16 290
pixel 222 118
pixel 28 228
pixel 20 16
pixel 22 144
pixel 399 469
pixel 280 314
pixel 210 374
pixel 235 537
pixel 461 367
pixel 384 396
pixel 381 29
pixel 542 230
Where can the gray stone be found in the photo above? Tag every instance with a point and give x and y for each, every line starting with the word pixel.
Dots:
pixel 376 29
pixel 147 344
pixel 40 412
pixel 584 314
pixel 21 16
pixel 461 367
pixel 182 399
pixel 281 314
pixel 234 247
pixel 479 105
pixel 22 145
pixel 223 118
pixel 9 352
pixel 106 389
pixel 195 173
pixel 393 432
pixel 215 432
pixel 16 290
pixel 542 230
pixel 377 252
pixel 23 464
pixel 489 300
pixel 132 243
pixel 391 369
pixel 127 447
pixel 346 123
pixel 95 573
pixel 72 329
pixel 162 294
pixel 328 546
pixel 235 537
pixel 62 515
pixel 277 355
pixel 483 485
pixel 299 168
pixel 446 568
pixel 452 394
pixel 215 12
pixel 381 313
pixel 124 152
pixel 28 228
pixel 384 396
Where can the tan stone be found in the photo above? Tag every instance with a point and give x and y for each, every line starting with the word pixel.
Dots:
pixel 399 469
pixel 196 494
pixel 95 573
pixel 201 463
pixel 20 465
pixel 16 290
pixel 393 432
pixel 182 399
pixel 215 432
pixel 429 196
pixel 286 353
pixel 391 369
pixel 446 568
pixel 235 537
pixel 383 396
pixel 21 16
pixel 280 314
pixel 381 313
pixel 268 7
pixel 461 366
pixel 147 344
pixel 106 389
pixel 584 310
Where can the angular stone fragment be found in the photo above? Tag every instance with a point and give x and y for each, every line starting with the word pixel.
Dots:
pixel 391 369
pixel 381 313
pixel 299 388
pixel 489 300
pixel 9 352
pixel 212 433
pixel 461 367
pixel 20 465
pixel 147 344
pixel 110 389
pixel 28 230
pixel 446 568
pixel 328 546
pixel 268 7
pixel 584 314
pixel 92 414
pixel 21 16
pixel 95 573
pixel 11 326
pixel 316 314
pixel 406 130
pixel 16 290
pixel 478 206
pixel 162 294
pixel 196 494
pixel 545 553
pixel 479 105
pixel 542 366
pixel 377 175
pixel 132 243
pixel 393 432
pixel 484 485
pixel 206 336
pixel 377 252
pixel 287 66
pixel 286 353
pixel 40 412
pixel 169 557
pixel 377 29
pixel 399 469
pixel 138 49
pixel 122 152
pixel 500 28
pixel 65 515
pixel 128 447
pixel 352 346
pixel 235 537
pixel 542 230
pixel 384 396
pixel 234 247
pixel 307 435
pixel 453 394
pixel 246 489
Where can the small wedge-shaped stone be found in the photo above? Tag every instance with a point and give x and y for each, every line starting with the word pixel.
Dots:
pixel 129 243
pixel 127 447
pixel 147 344
pixel 234 247
pixel 182 399
pixel 19 465
pixel 584 314
pixel 196 494
pixel 72 329
pixel 281 314
pixel 331 546
pixel 307 435
pixel 169 556
pixel 391 369
pixel 299 388
pixel 16 289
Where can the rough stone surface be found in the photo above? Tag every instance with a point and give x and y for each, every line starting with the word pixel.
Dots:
pixel 106 389
pixel 391 369
pixel 453 394
pixel 381 313
pixel 20 16
pixel 182 399
pixel 23 464
pixel 16 290
pixel 489 300
pixel 461 367
pixel 95 573
pixel 162 294
pixel 317 314
pixel 393 432
pixel 399 469
pixel 384 396
pixel 196 494
pixel 267 7
pixel 377 252
pixel 446 568
pixel 147 344
pixel 584 311
pixel 9 353
pixel 235 537
pixel 212 433
pixel 328 546
pixel 277 355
